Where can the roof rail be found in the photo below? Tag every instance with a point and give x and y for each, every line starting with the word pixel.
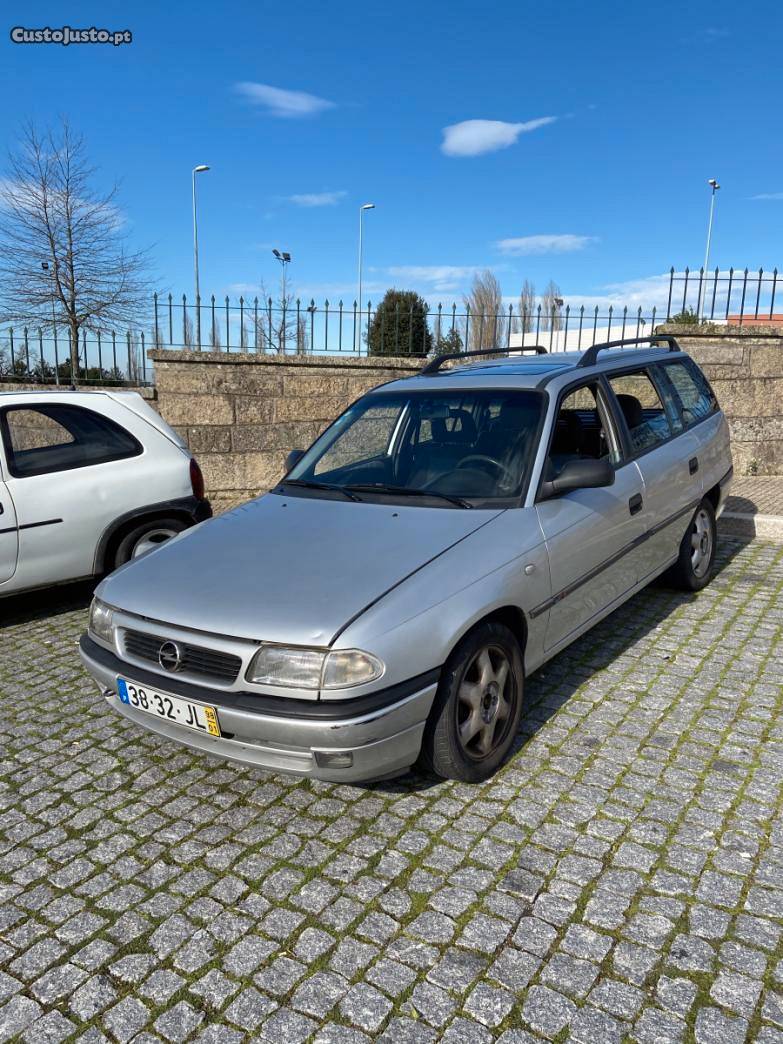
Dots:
pixel 435 364
pixel 590 358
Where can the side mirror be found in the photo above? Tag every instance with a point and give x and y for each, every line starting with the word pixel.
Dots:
pixel 293 458
pixel 579 474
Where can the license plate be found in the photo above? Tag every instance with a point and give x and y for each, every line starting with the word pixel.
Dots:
pixel 171 708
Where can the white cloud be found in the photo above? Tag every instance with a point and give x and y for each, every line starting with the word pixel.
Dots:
pixel 282 103
pixel 646 293
pixel 474 137
pixel 436 278
pixel 317 199
pixel 544 244
pixel 244 289
pixel 768 195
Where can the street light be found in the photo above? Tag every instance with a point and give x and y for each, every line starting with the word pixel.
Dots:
pixel 362 208
pixel 702 284
pixel 285 260
pixel 197 170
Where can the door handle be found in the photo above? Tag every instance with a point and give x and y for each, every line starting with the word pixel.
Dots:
pixel 693 465
pixel 635 504
pixel 2 509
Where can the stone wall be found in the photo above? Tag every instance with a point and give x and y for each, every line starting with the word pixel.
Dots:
pixel 745 367
pixel 241 414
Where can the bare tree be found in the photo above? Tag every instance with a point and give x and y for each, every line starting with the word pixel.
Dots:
pixel 552 307
pixel 63 254
pixel 214 335
pixel 134 350
pixel 278 327
pixel 527 304
pixel 487 321
pixel 302 335
pixel 188 336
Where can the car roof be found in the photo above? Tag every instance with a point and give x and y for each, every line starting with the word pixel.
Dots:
pixel 524 371
pixel 51 391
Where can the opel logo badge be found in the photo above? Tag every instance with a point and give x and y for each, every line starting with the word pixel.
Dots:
pixel 170 657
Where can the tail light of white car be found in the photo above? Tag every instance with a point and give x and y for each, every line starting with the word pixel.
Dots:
pixel 196 479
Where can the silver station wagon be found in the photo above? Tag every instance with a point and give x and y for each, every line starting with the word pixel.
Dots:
pixel 442 539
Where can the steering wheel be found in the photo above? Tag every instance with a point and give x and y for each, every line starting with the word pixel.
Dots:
pixel 482 458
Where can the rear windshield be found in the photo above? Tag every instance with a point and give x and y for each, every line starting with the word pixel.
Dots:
pixel 475 445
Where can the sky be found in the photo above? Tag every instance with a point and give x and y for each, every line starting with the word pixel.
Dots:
pixel 569 141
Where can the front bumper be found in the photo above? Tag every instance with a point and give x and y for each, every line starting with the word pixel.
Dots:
pixel 383 739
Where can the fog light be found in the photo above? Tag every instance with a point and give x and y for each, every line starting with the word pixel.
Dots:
pixel 334 758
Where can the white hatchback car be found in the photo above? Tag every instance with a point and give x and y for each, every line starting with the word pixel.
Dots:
pixel 88 481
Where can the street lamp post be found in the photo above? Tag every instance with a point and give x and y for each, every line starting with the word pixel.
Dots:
pixel 703 283
pixel 197 170
pixel 362 208
pixel 285 260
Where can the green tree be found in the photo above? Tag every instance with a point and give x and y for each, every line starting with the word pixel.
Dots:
pixel 449 343
pixel 399 325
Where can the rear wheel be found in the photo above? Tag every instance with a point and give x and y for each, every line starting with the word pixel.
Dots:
pixel 476 712
pixel 146 537
pixel 694 568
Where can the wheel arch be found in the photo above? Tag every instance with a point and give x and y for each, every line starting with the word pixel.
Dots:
pixel 117 530
pixel 510 615
pixel 714 495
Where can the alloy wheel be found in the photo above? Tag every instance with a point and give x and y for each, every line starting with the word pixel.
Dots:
pixel 484 702
pixel 701 543
pixel 151 540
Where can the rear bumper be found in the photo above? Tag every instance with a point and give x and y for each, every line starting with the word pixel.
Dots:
pixel 201 510
pixel 725 488
pixel 381 742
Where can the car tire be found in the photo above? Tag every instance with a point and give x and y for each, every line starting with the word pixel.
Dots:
pixel 145 537
pixel 696 562
pixel 477 708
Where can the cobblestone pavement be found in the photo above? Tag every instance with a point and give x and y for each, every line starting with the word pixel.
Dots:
pixel 620 879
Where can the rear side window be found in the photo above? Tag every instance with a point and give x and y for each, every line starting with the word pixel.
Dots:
pixel 696 398
pixel 641 406
pixel 48 438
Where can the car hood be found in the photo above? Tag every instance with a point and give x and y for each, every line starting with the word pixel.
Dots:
pixel 287 569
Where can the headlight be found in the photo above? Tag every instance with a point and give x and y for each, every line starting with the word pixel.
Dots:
pixel 348 667
pixel 300 668
pixel 101 621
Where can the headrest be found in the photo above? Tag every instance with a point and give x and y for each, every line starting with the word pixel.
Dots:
pixel 632 410
pixel 458 427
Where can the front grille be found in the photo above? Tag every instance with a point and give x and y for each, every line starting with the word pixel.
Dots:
pixel 207 663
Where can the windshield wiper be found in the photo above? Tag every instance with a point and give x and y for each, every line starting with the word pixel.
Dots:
pixel 310 484
pixel 406 491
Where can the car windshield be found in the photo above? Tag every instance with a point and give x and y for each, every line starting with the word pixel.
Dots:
pixel 451 446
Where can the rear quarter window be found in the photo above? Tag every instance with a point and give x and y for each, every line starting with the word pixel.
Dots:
pixel 694 394
pixel 44 438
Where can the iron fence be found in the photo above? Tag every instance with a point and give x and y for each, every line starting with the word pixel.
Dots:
pixel 264 325
pixel 106 357
pixel 299 327
pixel 733 296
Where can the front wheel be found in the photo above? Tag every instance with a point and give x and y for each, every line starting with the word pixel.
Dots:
pixel 694 568
pixel 477 708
